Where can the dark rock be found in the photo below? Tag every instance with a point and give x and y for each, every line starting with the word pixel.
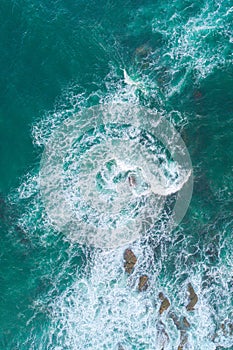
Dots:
pixel 130 260
pixel 183 340
pixel 120 347
pixel 163 336
pixel 193 298
pixel 227 327
pixel 165 303
pixel 185 322
pixel 143 283
pixel 132 180
pixel 176 320
pixel 181 326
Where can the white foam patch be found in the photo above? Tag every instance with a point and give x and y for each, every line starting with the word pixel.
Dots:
pixel 104 177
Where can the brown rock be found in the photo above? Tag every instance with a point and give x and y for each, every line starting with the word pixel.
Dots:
pixel 193 298
pixel 143 283
pixel 130 260
pixel 165 303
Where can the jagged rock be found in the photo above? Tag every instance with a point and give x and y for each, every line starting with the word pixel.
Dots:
pixel 120 347
pixel 193 298
pixel 165 303
pixel 143 283
pixel 130 260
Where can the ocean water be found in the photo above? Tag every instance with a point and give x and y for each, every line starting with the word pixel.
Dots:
pixel 59 58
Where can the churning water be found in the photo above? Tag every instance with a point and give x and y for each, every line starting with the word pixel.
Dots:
pixel 117 84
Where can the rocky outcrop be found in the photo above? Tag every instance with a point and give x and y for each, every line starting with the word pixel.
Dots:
pixel 130 260
pixel 165 303
pixel 143 283
pixel 193 298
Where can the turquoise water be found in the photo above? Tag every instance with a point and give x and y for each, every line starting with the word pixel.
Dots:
pixel 58 57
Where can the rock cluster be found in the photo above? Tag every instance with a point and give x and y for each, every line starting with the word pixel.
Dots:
pixel 181 323
pixel 129 263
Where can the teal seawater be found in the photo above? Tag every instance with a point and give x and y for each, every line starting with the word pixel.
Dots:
pixel 58 57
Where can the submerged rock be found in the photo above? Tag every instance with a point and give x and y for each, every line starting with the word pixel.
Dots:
pixel 143 283
pixel 197 95
pixel 193 298
pixel 163 338
pixel 186 323
pixel 183 340
pixel 176 320
pixel 132 180
pixel 120 347
pixel 227 327
pixel 182 326
pixel 165 303
pixel 130 260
